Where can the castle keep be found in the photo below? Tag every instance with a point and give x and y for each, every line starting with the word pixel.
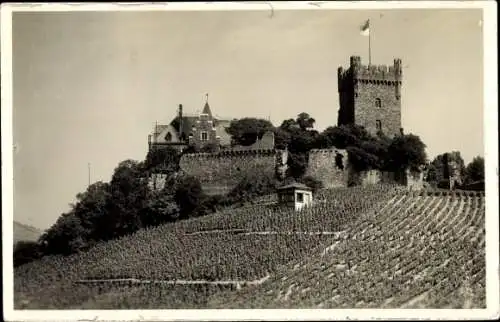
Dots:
pixel 370 96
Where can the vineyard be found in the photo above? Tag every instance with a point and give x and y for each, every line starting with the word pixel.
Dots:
pixel 362 246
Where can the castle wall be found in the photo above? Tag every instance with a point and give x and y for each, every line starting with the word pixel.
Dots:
pixel 322 166
pixel 219 172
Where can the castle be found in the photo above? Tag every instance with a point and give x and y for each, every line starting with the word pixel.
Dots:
pixel 370 96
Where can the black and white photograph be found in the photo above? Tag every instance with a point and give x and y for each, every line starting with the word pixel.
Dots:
pixel 191 160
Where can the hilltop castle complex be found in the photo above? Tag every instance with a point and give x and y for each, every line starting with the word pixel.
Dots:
pixel 369 96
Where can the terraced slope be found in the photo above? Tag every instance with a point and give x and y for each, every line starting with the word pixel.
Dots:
pixel 417 252
pixel 208 254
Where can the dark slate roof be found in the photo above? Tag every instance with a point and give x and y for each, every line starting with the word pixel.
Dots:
pixel 295 185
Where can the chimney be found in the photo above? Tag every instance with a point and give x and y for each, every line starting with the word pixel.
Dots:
pixel 180 121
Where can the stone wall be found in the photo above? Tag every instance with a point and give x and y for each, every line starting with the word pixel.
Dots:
pixel 219 172
pixel 322 166
pixel 156 181
pixel 366 112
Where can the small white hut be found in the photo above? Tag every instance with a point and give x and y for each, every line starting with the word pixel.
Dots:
pixel 295 195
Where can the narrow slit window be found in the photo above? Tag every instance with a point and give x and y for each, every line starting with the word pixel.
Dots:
pixel 204 136
pixel 378 102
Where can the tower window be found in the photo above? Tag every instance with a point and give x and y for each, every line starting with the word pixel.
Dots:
pixel 204 136
pixel 378 102
pixel 379 125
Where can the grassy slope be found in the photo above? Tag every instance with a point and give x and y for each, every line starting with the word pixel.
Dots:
pixel 166 252
pixel 24 232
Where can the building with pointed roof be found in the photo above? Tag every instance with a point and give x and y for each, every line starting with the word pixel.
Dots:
pixel 199 131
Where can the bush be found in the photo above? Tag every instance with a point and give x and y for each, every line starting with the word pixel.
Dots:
pixel 26 251
pixel 188 195
pixel 312 183
pixel 160 208
pixel 253 185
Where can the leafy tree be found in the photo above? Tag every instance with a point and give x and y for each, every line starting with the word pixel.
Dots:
pixel 252 185
pixel 65 237
pixel 305 121
pixel 475 170
pixel 188 195
pixel 127 197
pixel 406 152
pixel 26 251
pixel 299 137
pixel 91 208
pixel 343 136
pixel 360 159
pixel 165 160
pixel 159 208
pixel 245 131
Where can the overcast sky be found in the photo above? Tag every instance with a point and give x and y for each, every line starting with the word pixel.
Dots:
pixel 88 86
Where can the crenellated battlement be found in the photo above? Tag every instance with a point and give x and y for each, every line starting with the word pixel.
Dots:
pixel 379 74
pixel 232 153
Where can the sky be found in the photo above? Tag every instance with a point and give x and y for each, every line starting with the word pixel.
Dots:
pixel 89 86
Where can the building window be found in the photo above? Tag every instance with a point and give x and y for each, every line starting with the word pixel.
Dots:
pixel 300 197
pixel 378 102
pixel 379 125
pixel 204 136
pixel 168 137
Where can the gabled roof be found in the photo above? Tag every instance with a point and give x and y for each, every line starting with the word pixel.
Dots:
pixel 295 185
pixel 162 134
pixel 206 110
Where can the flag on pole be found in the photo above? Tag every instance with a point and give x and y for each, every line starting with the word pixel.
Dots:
pixel 365 28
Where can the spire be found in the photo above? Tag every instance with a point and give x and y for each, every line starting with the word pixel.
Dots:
pixel 206 108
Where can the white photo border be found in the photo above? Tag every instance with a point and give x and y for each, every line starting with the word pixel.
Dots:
pixel 491 170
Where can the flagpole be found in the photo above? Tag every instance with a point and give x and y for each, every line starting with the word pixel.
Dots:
pixel 370 46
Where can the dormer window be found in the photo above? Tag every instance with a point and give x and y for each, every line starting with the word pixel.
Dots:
pixel 168 137
pixel 378 102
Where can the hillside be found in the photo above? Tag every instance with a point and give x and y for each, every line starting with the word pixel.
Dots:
pixel 25 232
pixel 261 256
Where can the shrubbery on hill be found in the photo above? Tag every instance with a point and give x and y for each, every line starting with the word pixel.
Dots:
pixel 251 186
pixel 26 251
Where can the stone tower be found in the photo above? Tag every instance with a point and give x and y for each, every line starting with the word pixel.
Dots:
pixel 370 96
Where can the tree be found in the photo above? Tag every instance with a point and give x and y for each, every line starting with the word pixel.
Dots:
pixel 65 237
pixel 164 160
pixel 343 136
pixel 246 131
pixel 188 195
pixel 91 207
pixel 252 185
pixel 475 170
pixel 305 121
pixel 406 152
pixel 128 193
pixel 26 251
pixel 159 208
